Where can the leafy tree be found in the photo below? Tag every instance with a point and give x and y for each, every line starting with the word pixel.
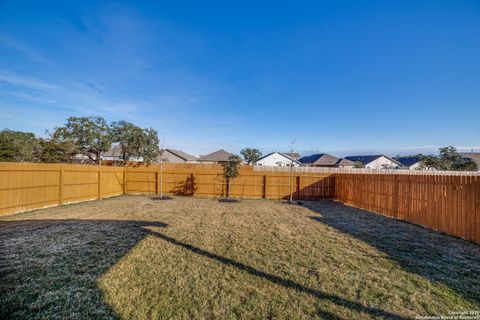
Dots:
pixel 465 165
pixel 231 170
pixel 17 145
pixel 250 154
pixel 135 141
pixel 430 162
pixel 448 159
pixel 90 135
pixel 55 150
pixel 150 149
pixel 358 165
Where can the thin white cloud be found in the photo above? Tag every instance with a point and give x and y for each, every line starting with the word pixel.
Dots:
pixel 25 82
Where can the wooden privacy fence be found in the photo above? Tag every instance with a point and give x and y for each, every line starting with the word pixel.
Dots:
pixel 207 180
pixel 26 186
pixel 446 203
pixel 449 204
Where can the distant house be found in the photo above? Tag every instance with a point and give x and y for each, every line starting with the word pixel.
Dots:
pixel 219 156
pixel 378 161
pixel 293 155
pixel 412 163
pixel 276 159
pixel 115 154
pixel 325 160
pixel 319 160
pixel 345 163
pixel 177 156
pixel 474 156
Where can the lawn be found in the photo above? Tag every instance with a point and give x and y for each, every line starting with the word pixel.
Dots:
pixel 193 258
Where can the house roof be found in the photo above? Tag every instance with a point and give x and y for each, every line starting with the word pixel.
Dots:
pixel 344 162
pixel 320 159
pixel 219 155
pixel 185 156
pixel 280 153
pixel 408 161
pixel 369 158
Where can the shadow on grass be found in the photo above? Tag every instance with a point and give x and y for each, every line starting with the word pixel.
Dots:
pixel 430 254
pixel 289 284
pixel 49 268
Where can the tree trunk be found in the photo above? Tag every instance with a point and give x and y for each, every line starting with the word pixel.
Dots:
pixel 228 187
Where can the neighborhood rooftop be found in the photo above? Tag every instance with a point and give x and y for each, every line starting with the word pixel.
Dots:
pixel 320 159
pixel 408 161
pixel 185 156
pixel 219 155
pixel 280 153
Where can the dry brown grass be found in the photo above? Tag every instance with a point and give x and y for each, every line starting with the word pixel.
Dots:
pixel 134 258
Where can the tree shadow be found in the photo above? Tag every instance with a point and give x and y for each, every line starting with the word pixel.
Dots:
pixel 321 189
pixel 187 187
pixel 49 268
pixel 286 283
pixel 435 256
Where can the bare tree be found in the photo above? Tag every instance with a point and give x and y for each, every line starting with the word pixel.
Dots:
pixel 162 159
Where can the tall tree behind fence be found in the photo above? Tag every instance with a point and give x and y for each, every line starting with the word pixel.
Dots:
pixel 447 203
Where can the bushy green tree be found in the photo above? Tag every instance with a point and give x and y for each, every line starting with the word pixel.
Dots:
pixel 250 154
pixel 150 149
pixel 448 159
pixel 430 162
pixel 358 165
pixel 90 135
pixel 17 146
pixel 135 141
pixel 231 170
pixel 55 151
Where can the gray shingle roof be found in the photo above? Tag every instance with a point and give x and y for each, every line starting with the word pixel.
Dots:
pixel 185 156
pixel 345 162
pixel 217 156
pixel 322 159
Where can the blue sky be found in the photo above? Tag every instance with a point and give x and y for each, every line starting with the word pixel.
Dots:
pixel 338 76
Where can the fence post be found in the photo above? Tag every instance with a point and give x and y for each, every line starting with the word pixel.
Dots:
pixel 298 188
pixel 99 184
pixel 192 183
pixel 60 187
pixel 157 183
pixel 124 180
pixel 395 196
pixel 264 191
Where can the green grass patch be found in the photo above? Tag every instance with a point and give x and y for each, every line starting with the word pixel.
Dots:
pixel 192 258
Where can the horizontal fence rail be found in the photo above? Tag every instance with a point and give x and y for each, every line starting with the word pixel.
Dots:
pixel 441 201
pixel 27 186
pixel 333 170
pixel 209 181
pixel 450 204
